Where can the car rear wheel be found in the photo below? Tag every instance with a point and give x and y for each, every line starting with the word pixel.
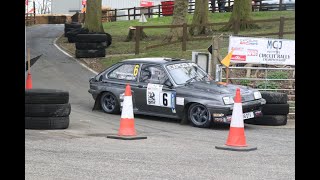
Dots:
pixel 109 103
pixel 199 115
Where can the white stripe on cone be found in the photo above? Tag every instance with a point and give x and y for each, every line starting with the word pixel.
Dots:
pixel 127 109
pixel 237 116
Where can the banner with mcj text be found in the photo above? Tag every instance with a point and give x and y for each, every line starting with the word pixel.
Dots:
pixel 262 50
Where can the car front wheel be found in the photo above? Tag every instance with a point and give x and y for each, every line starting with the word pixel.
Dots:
pixel 199 115
pixel 109 103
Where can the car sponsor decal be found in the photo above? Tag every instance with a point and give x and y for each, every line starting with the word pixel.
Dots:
pixel 173 96
pixel 180 65
pixel 136 70
pixel 179 101
pixel 157 97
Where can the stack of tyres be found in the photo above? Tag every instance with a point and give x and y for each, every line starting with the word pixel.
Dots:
pixel 92 45
pixel 275 111
pixel 47 109
pixel 73 33
pixel 69 27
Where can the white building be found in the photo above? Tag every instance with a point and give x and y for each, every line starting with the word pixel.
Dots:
pixel 65 6
pixel 72 6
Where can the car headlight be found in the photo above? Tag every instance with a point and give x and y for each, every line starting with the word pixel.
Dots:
pixel 257 95
pixel 228 100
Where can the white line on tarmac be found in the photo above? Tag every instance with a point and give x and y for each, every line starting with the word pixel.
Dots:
pixel 54 42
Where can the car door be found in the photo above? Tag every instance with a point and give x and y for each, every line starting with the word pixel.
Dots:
pixel 126 73
pixel 154 97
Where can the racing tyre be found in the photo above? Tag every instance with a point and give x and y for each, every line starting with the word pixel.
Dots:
pixel 109 103
pixel 46 122
pixel 73 25
pixel 91 38
pixel 199 115
pixel 269 120
pixel 87 46
pixel 109 39
pixel 274 97
pixel 47 110
pixel 71 39
pixel 90 53
pixel 275 109
pixel 46 96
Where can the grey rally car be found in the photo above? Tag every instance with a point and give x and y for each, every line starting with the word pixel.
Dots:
pixel 172 88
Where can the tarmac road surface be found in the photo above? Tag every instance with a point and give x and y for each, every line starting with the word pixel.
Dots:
pixel 171 150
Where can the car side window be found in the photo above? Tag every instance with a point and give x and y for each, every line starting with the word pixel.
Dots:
pixel 125 72
pixel 153 74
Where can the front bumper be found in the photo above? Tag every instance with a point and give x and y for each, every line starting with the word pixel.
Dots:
pixel 223 115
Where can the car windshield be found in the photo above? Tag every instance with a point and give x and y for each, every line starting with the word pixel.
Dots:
pixel 183 73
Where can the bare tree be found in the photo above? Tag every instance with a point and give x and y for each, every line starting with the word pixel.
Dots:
pixel 93 16
pixel 180 12
pixel 43 7
pixel 241 12
pixel 200 16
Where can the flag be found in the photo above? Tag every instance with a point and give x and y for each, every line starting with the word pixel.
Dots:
pixel 226 60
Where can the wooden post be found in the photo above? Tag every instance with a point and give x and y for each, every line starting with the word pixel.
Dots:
pixel 28 61
pixel 184 37
pixel 229 7
pixel 159 10
pixel 137 46
pixel 281 27
pixel 34 12
pixel 115 14
pixel 227 75
pixel 128 14
pixel 149 13
pixel 280 5
pixel 134 12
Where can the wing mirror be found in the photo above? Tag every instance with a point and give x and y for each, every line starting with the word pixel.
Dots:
pixel 91 79
pixel 168 83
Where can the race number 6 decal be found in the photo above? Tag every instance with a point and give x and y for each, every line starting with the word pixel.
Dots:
pixel 165 100
pixel 136 70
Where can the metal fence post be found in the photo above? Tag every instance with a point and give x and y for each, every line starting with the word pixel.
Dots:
pixel 137 45
pixel 134 12
pixel 159 10
pixel 281 27
pixel 115 14
pixel 34 12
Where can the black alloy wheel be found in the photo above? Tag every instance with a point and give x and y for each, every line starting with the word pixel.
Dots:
pixel 109 103
pixel 199 115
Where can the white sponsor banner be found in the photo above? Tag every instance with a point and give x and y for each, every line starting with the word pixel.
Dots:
pixel 262 50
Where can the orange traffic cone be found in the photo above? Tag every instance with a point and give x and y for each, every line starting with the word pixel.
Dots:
pixel 29 81
pixel 236 139
pixel 127 130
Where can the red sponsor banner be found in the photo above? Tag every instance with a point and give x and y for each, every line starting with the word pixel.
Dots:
pixel 31 10
pixel 238 57
pixel 84 2
pixel 252 52
pixel 145 3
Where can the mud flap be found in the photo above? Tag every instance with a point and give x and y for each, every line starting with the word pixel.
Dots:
pixel 96 106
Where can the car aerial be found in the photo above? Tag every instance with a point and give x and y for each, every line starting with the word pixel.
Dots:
pixel 172 88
